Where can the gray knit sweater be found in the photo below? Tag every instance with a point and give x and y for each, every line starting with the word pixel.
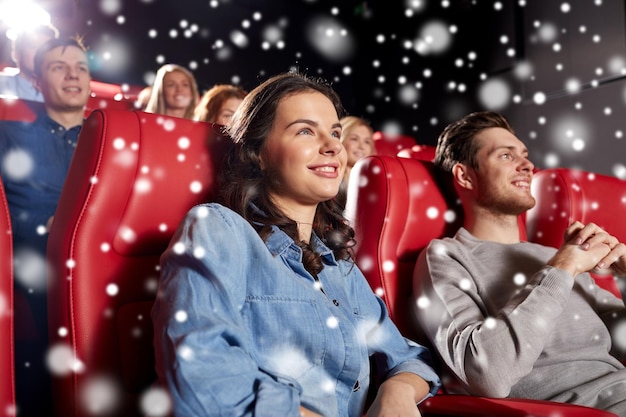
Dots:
pixel 508 325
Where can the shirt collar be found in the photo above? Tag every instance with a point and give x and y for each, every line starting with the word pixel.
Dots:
pixel 279 243
pixel 47 122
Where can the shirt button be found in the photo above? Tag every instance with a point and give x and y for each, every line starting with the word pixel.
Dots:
pixel 335 302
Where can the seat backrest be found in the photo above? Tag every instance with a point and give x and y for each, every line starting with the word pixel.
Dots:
pixel 132 179
pixel 7 374
pixel 424 152
pixel 386 144
pixel 565 195
pixel 397 208
pixel 12 108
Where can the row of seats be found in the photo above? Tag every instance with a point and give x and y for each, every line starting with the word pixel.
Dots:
pixel 398 207
pixel 135 175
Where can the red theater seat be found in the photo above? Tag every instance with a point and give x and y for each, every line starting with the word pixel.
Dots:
pixel 386 144
pixel 397 208
pixel 423 152
pixel 7 374
pixel 133 177
pixel 566 195
pixel 19 110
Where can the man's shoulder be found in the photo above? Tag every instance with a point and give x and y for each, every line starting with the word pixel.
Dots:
pixel 12 131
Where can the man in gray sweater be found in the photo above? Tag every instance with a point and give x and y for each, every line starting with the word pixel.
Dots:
pixel 512 318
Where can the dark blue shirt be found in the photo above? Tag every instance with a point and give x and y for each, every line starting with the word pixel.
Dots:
pixel 34 159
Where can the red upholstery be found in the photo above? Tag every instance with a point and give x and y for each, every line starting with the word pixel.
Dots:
pixel 397 207
pixel 566 195
pixel 423 152
pixel 391 144
pixel 111 96
pixel 7 371
pixel 133 177
pixel 18 109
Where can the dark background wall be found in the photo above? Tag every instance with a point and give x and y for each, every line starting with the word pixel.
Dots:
pixel 555 68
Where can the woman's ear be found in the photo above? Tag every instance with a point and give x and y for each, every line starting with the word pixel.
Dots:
pixel 462 176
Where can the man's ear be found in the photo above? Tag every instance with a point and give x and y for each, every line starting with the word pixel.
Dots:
pixel 462 176
pixel 36 83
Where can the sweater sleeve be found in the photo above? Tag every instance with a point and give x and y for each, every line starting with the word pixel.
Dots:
pixel 611 311
pixel 488 348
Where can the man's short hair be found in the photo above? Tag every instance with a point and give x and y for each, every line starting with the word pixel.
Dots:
pixel 76 41
pixel 457 144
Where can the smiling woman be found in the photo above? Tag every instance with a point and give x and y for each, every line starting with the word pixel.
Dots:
pixel 174 92
pixel 272 285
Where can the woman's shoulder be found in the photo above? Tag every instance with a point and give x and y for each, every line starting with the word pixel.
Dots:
pixel 214 216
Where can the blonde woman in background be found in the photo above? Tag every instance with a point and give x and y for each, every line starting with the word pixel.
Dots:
pixel 219 103
pixel 356 137
pixel 174 92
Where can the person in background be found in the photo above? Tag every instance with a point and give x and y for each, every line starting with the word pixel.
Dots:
pixel 174 92
pixel 24 44
pixel 512 318
pixel 34 160
pixel 219 103
pixel 356 137
pixel 142 98
pixel 261 310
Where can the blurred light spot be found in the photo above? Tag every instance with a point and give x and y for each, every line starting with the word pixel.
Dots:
pixel 619 171
pixel 423 302
pixel 184 142
pixel 179 248
pixel 100 396
pixel 181 316
pixel 30 268
pixel 155 402
pixel 127 234
pixel 330 39
pixel 434 38
pixel 389 266
pixel 239 38
pixel 18 164
pixel 523 70
pixel 119 143
pixel 432 212
pixel 143 185
pixel 199 252
pixel 572 85
pixel 449 216
pixel 112 289
pixel 195 187
pixel 548 32
pixel 578 144
pixel 494 94
pixel 539 98
pixel 407 94
pixel 332 322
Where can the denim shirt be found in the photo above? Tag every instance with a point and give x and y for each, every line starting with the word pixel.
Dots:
pixel 242 329
pixel 34 160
